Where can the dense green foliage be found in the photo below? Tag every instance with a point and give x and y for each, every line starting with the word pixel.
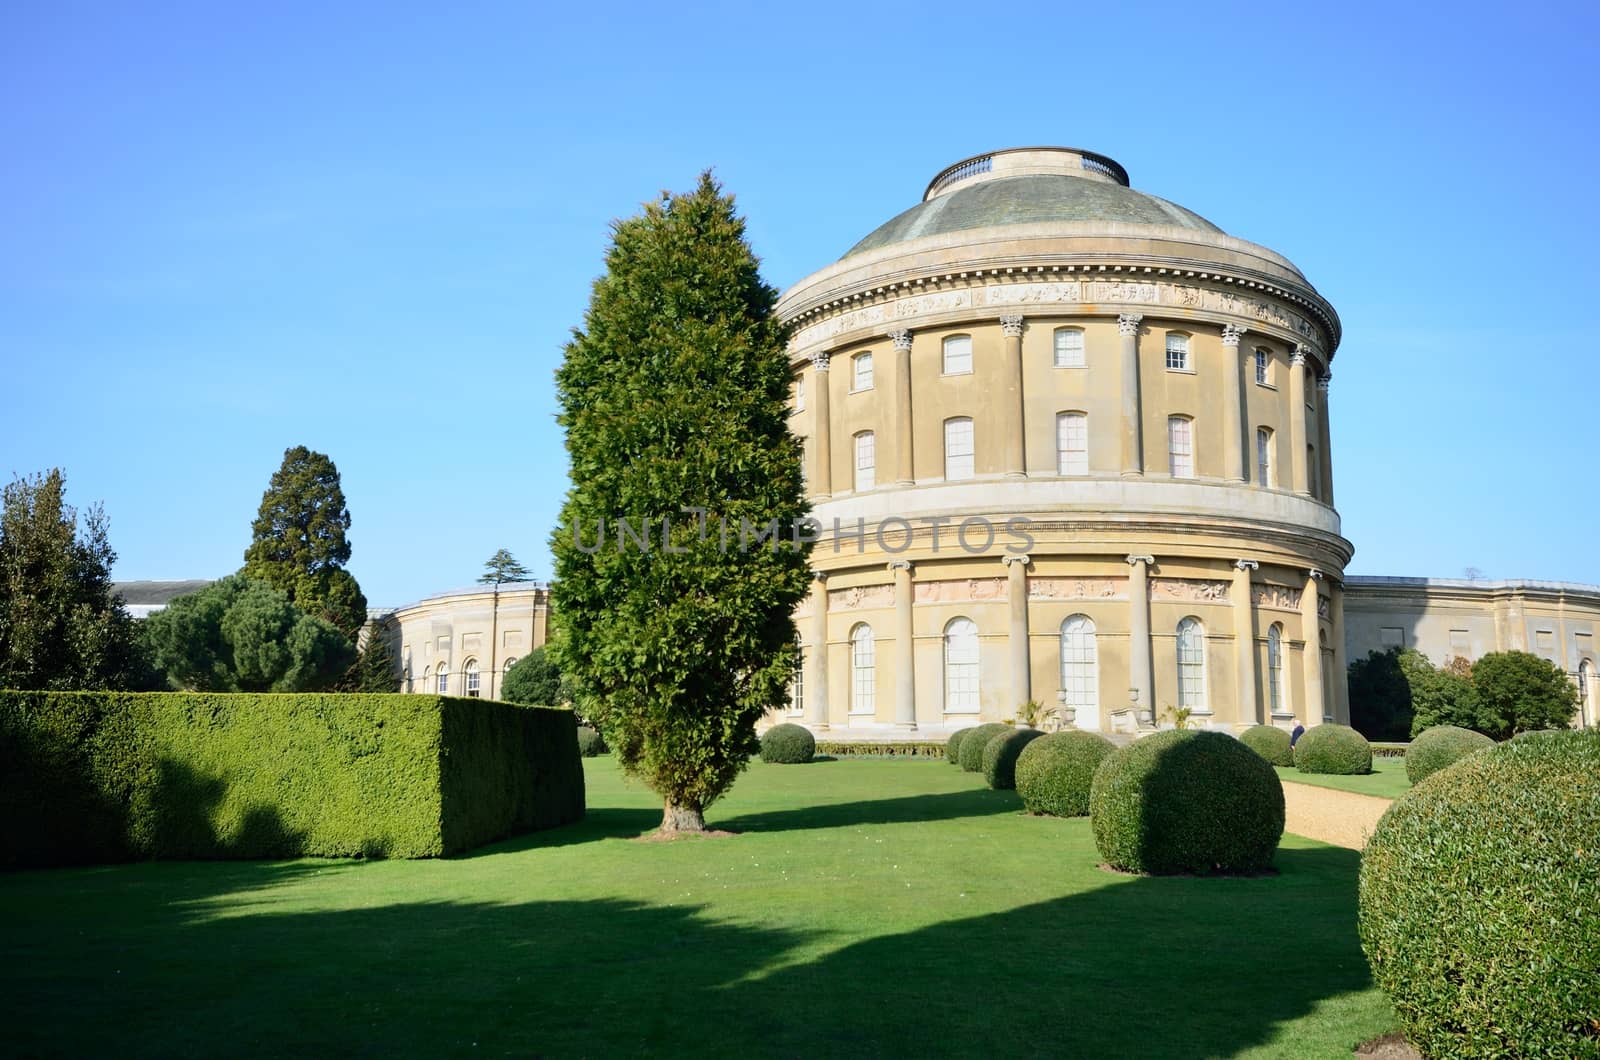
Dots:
pixel 1270 742
pixel 1054 774
pixel 1441 746
pixel 674 397
pixel 1330 748
pixel 298 542
pixel 238 635
pixel 503 567
pixel 60 625
pixel 1186 801
pixel 103 776
pixel 1478 908
pixel 1000 757
pixel 1520 692
pixel 376 670
pixel 975 742
pixel 1380 695
pixel 788 745
pixel 952 746
pixel 535 679
pixel 590 742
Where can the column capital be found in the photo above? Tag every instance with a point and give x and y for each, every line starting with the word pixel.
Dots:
pixel 1246 564
pixel 820 360
pixel 1148 561
pixel 1016 557
pixel 899 565
pixel 1011 324
pixel 820 577
pixel 901 339
pixel 1314 574
pixel 1232 333
pixel 1322 383
pixel 1128 323
pixel 1301 355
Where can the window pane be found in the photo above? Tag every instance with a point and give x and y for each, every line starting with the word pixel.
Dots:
pixel 866 461
pixel 1263 363
pixel 1180 446
pixel 961 666
pixel 1080 677
pixel 862 363
pixel 1275 669
pixel 863 672
pixel 1178 352
pixel 1264 457
pixel 1191 665
pixel 1072 443
pixel 1069 348
pixel 958 460
pixel 957 354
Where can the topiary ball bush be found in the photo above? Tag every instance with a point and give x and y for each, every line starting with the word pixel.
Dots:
pixel 1054 773
pixel 1440 746
pixel 1270 742
pixel 590 742
pixel 974 743
pixel 1329 748
pixel 788 745
pixel 1478 902
pixel 1000 757
pixel 1186 801
pixel 952 748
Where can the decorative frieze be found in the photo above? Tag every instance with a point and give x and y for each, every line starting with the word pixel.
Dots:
pixel 861 598
pixel 1077 588
pixel 960 591
pixel 1191 590
pixel 1277 597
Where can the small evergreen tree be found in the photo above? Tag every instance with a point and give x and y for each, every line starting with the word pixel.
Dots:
pixel 503 567
pixel 375 668
pixel 1520 692
pixel 535 679
pixel 673 396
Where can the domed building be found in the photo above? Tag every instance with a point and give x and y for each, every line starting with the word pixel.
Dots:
pixel 1067 442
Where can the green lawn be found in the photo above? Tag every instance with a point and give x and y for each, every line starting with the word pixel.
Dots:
pixel 1387 779
pixel 869 908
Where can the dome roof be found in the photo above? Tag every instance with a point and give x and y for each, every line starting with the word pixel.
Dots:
pixel 1029 186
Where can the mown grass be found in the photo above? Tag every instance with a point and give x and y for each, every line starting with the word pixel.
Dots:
pixel 869 908
pixel 1387 779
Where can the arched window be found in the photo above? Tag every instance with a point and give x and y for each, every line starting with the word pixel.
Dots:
pixel 863 671
pixel 470 669
pixel 510 663
pixel 866 461
pixel 405 671
pixel 1180 446
pixel 861 372
pixel 1069 348
pixel 1177 351
pixel 1072 443
pixel 1588 694
pixel 1080 664
pixel 797 691
pixel 958 460
pixel 427 678
pixel 444 679
pixel 1264 475
pixel 961 666
pixel 958 355
pixel 1191 664
pixel 1275 668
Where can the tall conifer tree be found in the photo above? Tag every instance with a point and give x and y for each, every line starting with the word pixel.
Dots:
pixel 674 396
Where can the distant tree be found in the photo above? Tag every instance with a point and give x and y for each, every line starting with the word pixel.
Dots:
pixel 673 395
pixel 375 668
pixel 1440 697
pixel 1520 692
pixel 1380 696
pixel 535 679
pixel 298 541
pixel 61 627
pixel 503 567
pixel 239 635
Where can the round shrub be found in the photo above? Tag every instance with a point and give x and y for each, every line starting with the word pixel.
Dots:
pixel 788 744
pixel 1000 757
pixel 1478 911
pixel 1440 746
pixel 1054 773
pixel 1270 742
pixel 1333 749
pixel 952 749
pixel 590 742
pixel 974 743
pixel 1186 801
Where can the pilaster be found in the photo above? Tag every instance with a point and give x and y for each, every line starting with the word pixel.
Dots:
pixel 1141 671
pixel 1017 597
pixel 1132 412
pixel 1232 412
pixel 1244 636
pixel 905 466
pixel 1013 452
pixel 905 696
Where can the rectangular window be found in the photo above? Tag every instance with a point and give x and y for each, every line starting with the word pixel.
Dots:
pixel 1263 367
pixel 1178 353
pixel 1461 644
pixel 1392 637
pixel 1264 458
pixel 1072 444
pixel 1546 641
pixel 797 697
pixel 958 355
pixel 1069 348
pixel 861 372
pixel 866 461
pixel 958 462
pixel 1180 446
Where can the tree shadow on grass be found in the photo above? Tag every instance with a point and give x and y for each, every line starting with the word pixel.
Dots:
pixel 980 802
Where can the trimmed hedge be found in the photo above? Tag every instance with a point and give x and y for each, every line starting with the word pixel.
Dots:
pixel 974 743
pixel 788 744
pixel 1054 773
pixel 1186 801
pixel 1478 911
pixel 1441 746
pixel 1000 757
pixel 952 747
pixel 103 776
pixel 1333 749
pixel 1270 742
pixel 886 749
pixel 1381 749
pixel 590 743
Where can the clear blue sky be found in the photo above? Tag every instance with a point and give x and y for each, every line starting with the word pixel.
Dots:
pixel 229 229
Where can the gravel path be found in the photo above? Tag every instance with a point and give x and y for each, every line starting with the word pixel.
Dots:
pixel 1341 818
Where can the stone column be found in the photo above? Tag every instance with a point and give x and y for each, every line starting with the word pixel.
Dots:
pixel 1311 627
pixel 1244 635
pixel 1132 412
pixel 1232 413
pixel 822 432
pixel 905 468
pixel 1141 672
pixel 1298 471
pixel 1013 452
pixel 1324 443
pixel 1017 596
pixel 1341 665
pixel 905 696
pixel 817 680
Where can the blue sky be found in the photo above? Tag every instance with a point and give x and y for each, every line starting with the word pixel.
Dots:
pixel 230 229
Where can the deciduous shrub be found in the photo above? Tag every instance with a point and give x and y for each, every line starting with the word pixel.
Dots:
pixel 590 743
pixel 1441 746
pixel 1333 748
pixel 1000 757
pixel 1270 742
pixel 1054 773
pixel 1478 912
pixel 952 747
pixel 975 742
pixel 105 776
pixel 1186 801
pixel 788 744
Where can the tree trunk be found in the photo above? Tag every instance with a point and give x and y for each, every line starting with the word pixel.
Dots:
pixel 676 819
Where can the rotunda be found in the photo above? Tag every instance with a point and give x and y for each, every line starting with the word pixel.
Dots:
pixel 1067 442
